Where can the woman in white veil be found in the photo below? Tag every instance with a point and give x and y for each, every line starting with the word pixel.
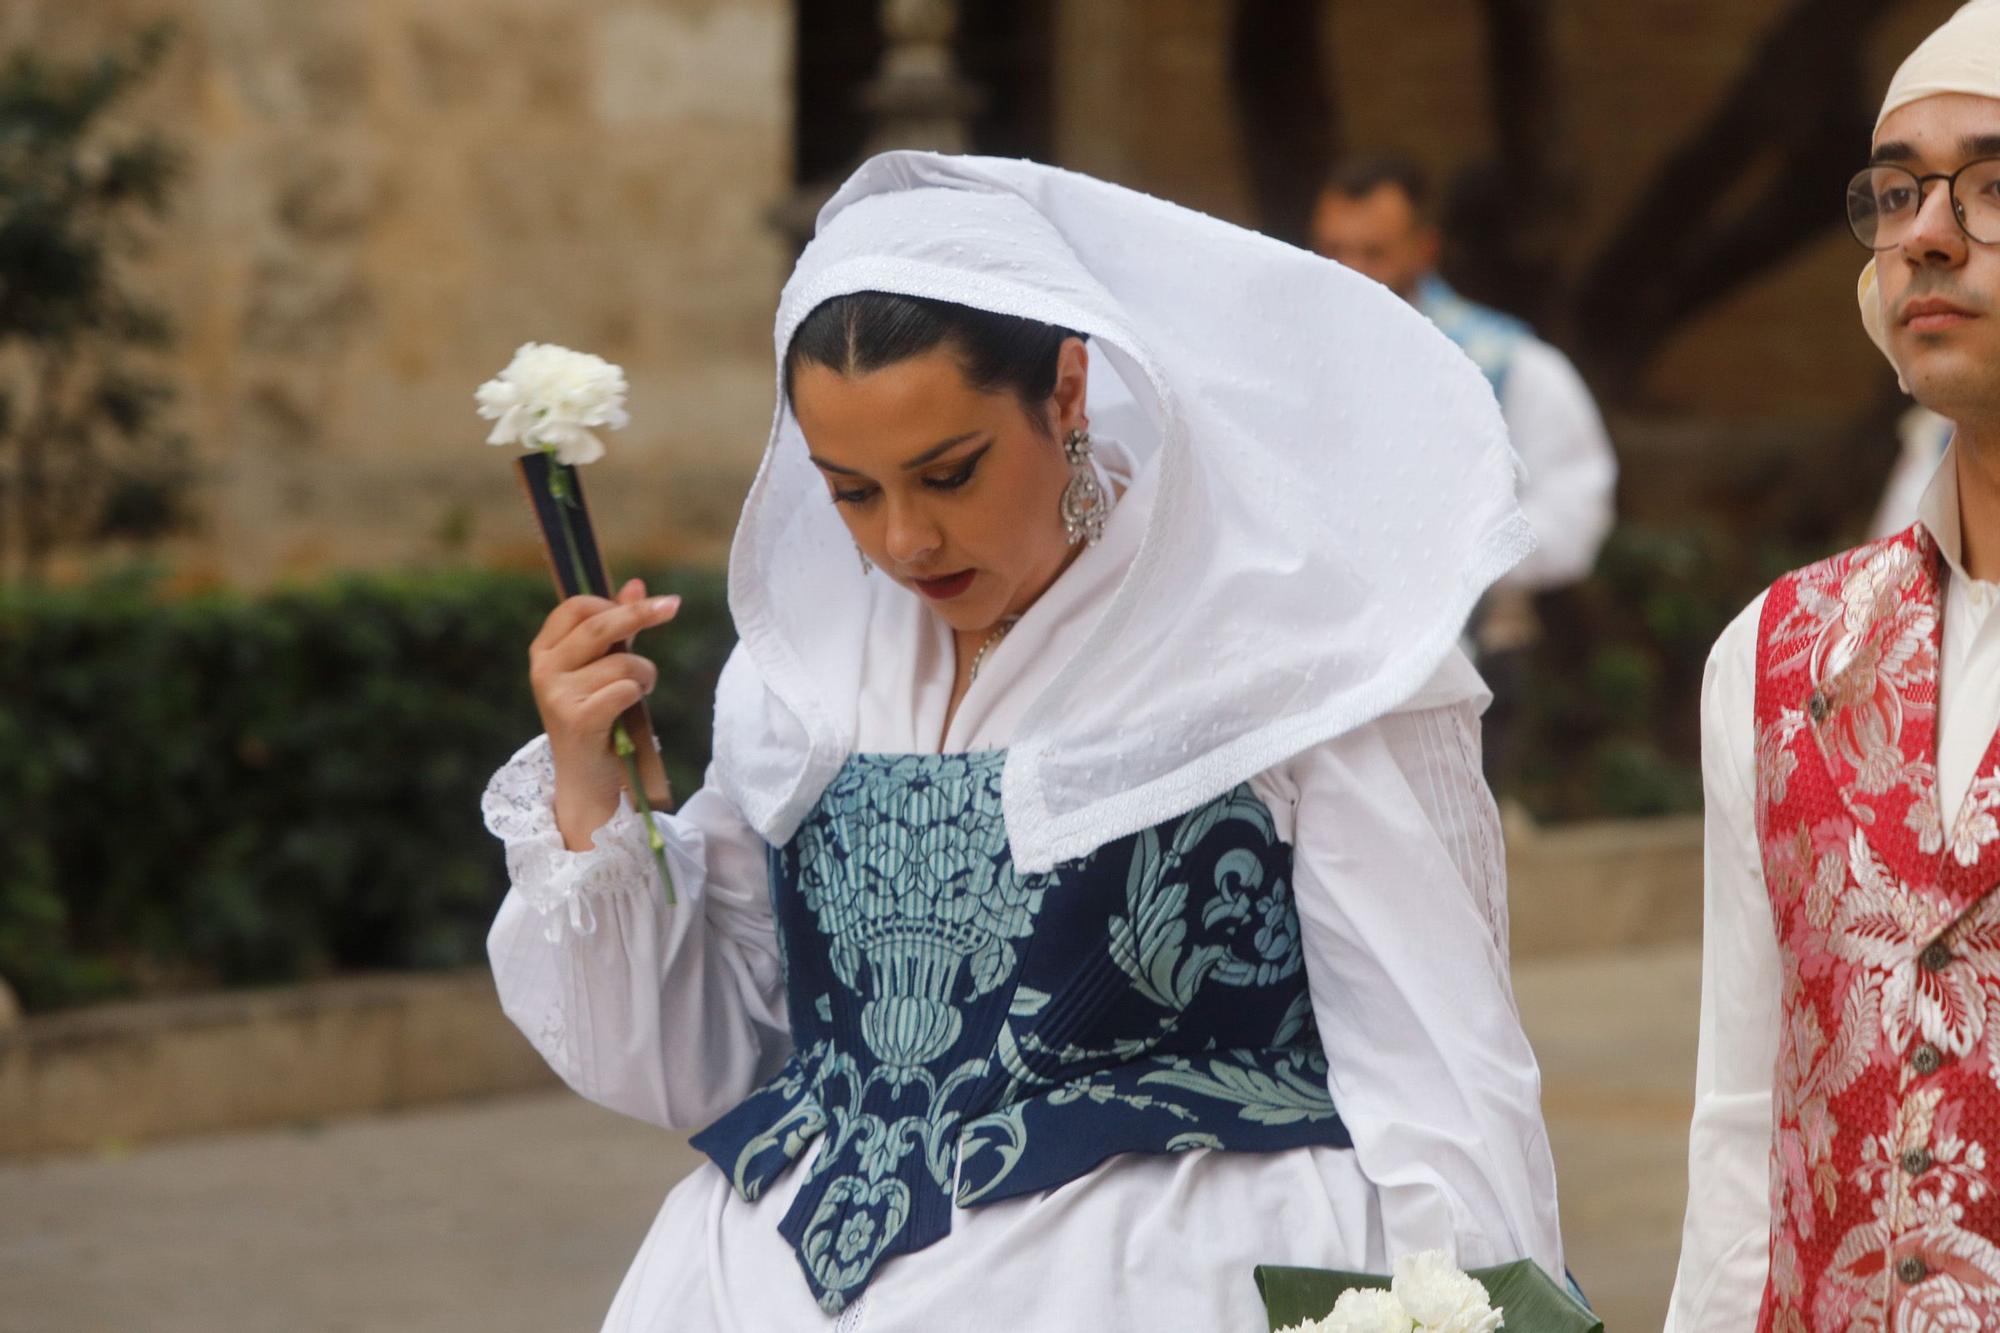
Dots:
pixel 1095 893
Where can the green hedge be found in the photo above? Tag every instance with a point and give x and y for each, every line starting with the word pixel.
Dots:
pixel 238 789
pixel 1611 705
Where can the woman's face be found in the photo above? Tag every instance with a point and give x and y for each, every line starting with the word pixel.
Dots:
pixel 953 493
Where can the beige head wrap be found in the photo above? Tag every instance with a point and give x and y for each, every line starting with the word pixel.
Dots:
pixel 1963 56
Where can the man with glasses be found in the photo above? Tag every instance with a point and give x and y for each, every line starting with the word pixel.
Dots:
pixel 1375 216
pixel 1844 1163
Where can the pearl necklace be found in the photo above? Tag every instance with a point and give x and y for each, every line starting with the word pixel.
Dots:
pixel 999 633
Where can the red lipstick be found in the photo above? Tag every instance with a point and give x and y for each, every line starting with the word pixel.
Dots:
pixel 945 586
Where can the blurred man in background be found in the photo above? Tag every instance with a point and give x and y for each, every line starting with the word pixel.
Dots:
pixel 1375 215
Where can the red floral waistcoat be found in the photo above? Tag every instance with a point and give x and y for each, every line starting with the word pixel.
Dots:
pixel 1884 1213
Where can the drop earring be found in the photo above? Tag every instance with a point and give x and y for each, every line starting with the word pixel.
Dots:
pixel 867 565
pixel 1083 497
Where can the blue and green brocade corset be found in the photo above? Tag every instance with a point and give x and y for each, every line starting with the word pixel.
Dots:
pixel 964 1031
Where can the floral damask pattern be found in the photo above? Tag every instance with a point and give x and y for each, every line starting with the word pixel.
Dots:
pixel 955 1017
pixel 917 911
pixel 1888 1076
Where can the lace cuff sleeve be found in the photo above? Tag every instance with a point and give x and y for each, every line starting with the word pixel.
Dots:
pixel 589 961
pixel 559 884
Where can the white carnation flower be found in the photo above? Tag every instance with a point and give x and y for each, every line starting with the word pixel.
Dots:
pixel 1359 1310
pixel 1367 1310
pixel 554 399
pixel 1440 1298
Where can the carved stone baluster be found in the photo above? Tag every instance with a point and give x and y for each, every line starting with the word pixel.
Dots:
pixel 917 99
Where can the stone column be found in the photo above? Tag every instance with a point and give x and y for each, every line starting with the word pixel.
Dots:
pixel 917 99
pixel 1094 40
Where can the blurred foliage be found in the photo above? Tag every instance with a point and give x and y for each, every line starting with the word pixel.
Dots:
pixel 1610 707
pixel 83 455
pixel 231 789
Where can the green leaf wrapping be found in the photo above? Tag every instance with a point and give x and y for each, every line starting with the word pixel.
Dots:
pixel 1532 1301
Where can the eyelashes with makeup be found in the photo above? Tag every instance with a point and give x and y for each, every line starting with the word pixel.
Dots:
pixel 949 482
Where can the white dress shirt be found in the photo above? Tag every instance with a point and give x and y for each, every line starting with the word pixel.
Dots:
pixel 674 1015
pixel 1725 1240
pixel 1572 472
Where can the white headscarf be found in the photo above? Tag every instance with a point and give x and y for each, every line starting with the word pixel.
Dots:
pixel 1324 483
pixel 1962 56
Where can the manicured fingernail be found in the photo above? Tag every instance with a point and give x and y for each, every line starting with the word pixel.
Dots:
pixel 664 604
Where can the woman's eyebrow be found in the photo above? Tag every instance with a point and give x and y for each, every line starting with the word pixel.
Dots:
pixel 930 455
pixel 942 447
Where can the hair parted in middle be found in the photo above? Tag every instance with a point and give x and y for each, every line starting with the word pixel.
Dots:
pixel 865 331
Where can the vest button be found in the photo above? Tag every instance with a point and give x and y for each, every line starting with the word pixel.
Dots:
pixel 1911 1269
pixel 1926 1059
pixel 1936 956
pixel 1916 1161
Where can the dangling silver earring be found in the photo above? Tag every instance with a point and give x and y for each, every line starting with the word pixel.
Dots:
pixel 1082 498
pixel 867 565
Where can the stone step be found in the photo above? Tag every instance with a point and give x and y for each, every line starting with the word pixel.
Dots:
pixel 1603 886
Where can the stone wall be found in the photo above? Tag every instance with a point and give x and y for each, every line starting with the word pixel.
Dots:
pixel 385 199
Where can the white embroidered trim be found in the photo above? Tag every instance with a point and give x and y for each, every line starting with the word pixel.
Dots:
pixel 1458 791
pixel 519 809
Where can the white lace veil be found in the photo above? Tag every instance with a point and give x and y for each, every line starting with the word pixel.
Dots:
pixel 1324 481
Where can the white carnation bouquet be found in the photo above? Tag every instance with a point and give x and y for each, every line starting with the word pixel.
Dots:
pixel 552 402
pixel 1427 1294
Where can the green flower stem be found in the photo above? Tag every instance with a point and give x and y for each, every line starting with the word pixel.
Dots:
pixel 621 740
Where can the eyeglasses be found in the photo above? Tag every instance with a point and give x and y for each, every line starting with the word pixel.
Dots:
pixel 1883 202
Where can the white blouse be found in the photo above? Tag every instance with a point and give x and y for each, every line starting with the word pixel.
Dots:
pixel 674 1015
pixel 1725 1241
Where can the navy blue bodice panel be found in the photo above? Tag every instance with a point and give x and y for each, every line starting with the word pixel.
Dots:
pixel 952 1016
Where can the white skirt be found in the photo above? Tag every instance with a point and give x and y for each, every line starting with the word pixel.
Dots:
pixel 1146 1242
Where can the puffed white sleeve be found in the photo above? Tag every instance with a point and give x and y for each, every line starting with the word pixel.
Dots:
pixel 1401 887
pixel 1725 1240
pixel 1568 494
pixel 671 1015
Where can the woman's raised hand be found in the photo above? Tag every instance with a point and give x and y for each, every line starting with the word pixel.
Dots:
pixel 583 678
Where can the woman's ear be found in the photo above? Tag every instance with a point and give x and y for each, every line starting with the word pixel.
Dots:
pixel 1072 387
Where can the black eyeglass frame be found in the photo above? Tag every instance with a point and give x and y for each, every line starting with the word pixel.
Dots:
pixel 1922 182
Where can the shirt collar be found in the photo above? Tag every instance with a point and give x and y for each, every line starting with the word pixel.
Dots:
pixel 1938 511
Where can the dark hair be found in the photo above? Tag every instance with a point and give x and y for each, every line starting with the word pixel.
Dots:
pixel 1360 177
pixel 866 331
